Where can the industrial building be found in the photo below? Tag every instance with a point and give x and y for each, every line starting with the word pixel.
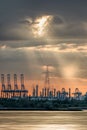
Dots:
pixel 13 90
pixel 9 91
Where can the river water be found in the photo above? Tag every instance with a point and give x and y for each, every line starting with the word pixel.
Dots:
pixel 39 120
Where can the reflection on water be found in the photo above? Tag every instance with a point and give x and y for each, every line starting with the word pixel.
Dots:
pixel 32 120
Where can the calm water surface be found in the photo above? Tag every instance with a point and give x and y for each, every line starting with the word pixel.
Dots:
pixel 24 120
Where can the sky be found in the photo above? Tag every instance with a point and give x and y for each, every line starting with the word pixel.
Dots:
pixel 36 33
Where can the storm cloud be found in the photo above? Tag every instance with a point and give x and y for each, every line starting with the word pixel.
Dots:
pixel 36 33
pixel 69 18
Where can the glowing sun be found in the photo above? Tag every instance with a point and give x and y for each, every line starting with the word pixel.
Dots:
pixel 40 26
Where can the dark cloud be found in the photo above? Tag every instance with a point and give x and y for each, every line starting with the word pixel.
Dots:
pixel 66 32
pixel 69 31
pixel 73 13
pixel 25 22
pixel 57 20
pixel 22 44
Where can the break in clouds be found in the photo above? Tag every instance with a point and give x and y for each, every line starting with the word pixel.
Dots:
pixel 35 33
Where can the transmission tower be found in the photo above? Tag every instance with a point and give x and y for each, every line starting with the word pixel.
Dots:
pixel 47 79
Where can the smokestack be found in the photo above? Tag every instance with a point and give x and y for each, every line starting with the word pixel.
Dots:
pixel 69 93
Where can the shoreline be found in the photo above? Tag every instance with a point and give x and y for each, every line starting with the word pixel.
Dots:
pixel 42 109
